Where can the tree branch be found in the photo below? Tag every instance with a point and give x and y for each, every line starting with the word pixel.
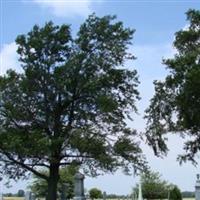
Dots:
pixel 25 166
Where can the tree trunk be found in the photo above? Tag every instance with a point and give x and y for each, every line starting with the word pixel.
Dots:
pixel 53 182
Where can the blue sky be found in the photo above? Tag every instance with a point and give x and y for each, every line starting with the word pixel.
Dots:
pixel 155 23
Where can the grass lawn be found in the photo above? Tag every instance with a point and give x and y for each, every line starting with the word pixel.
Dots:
pixel 13 198
pixel 22 198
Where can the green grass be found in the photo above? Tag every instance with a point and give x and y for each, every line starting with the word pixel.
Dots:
pixel 13 198
pixel 22 198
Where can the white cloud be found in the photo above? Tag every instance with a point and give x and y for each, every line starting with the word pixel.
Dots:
pixel 66 8
pixel 9 58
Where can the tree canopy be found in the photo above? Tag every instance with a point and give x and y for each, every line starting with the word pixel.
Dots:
pixel 175 106
pixel 71 103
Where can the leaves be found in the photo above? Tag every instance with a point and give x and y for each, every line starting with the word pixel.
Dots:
pixel 153 186
pixel 71 102
pixel 175 105
pixel 95 193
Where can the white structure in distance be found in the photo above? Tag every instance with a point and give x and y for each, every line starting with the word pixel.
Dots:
pixel 140 190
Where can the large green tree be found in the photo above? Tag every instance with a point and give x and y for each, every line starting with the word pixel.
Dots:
pixel 71 103
pixel 175 106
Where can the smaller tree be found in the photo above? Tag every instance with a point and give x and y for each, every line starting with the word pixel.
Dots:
pixel 20 193
pixel 153 187
pixel 95 193
pixel 175 193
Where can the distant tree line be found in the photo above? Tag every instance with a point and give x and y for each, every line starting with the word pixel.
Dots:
pixel 188 194
pixel 20 193
pixel 115 196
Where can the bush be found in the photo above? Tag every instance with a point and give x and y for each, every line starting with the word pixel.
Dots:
pixel 175 194
pixel 95 193
pixel 20 193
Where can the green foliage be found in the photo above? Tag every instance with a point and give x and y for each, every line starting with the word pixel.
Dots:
pixel 115 196
pixel 188 194
pixel 9 195
pixel 20 193
pixel 175 193
pixel 39 186
pixel 95 193
pixel 153 187
pixel 175 106
pixel 71 102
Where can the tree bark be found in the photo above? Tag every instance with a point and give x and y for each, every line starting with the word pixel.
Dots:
pixel 53 182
